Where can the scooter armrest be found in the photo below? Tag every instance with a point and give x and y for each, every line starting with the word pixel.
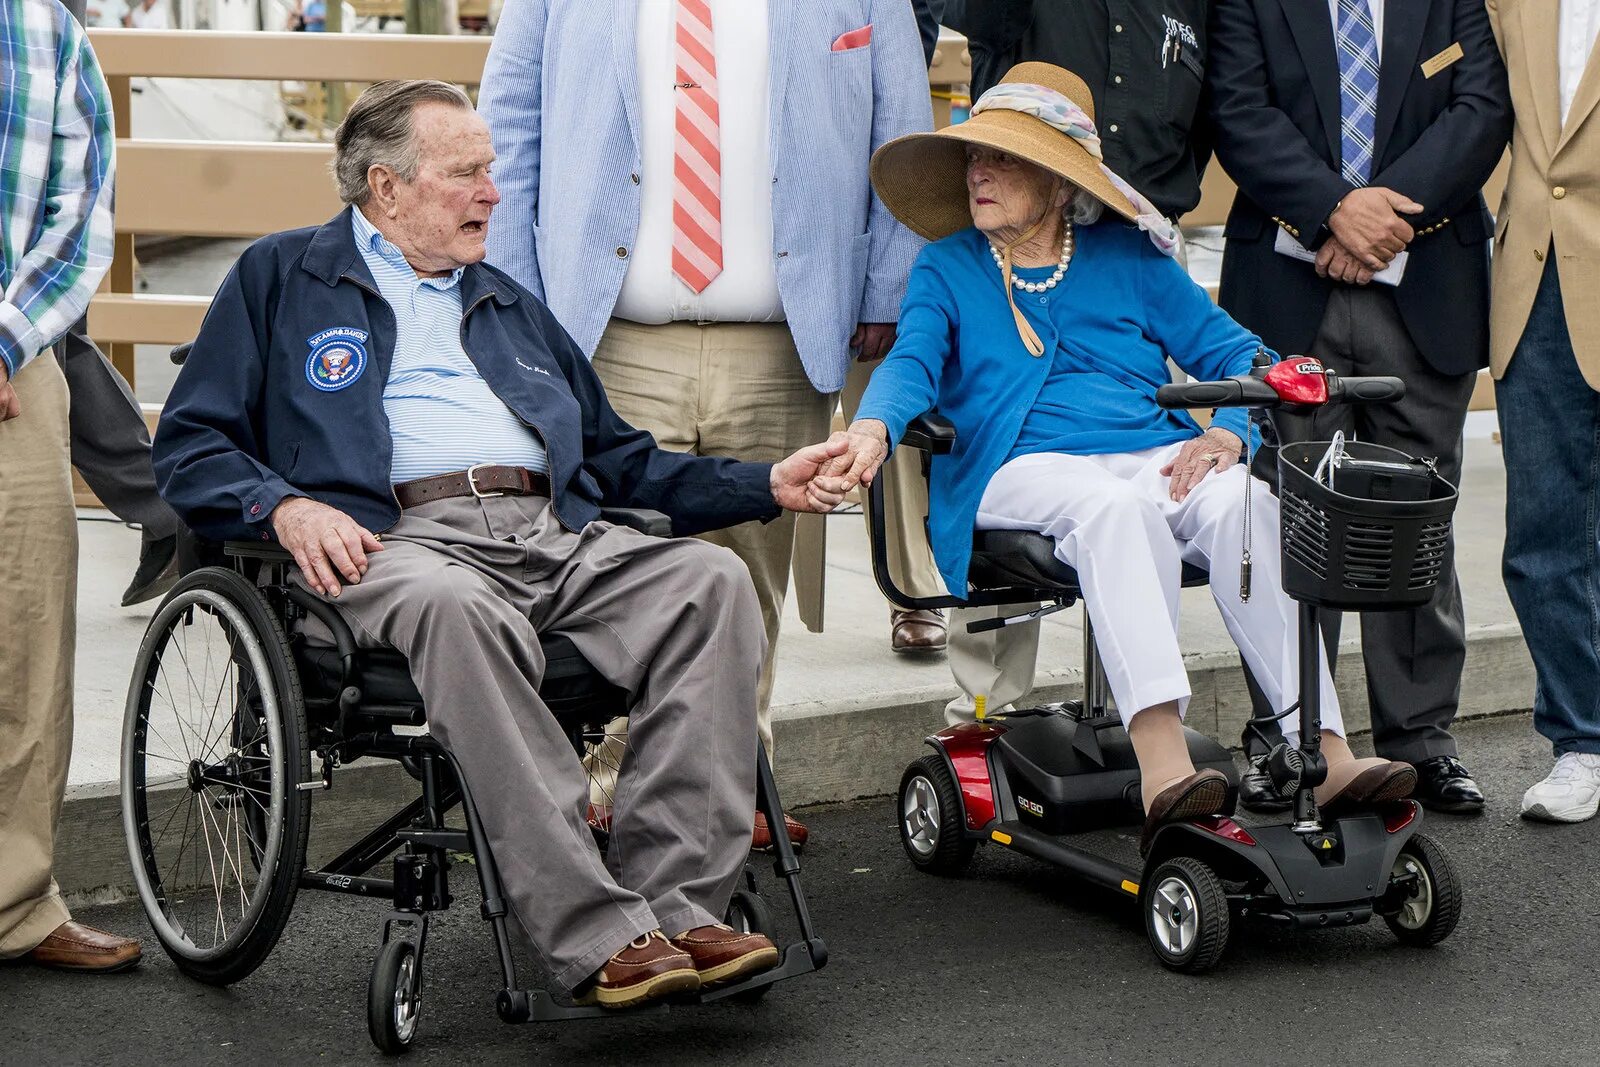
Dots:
pixel 930 432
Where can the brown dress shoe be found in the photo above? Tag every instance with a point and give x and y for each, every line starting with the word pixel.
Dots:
pixel 917 632
pixel 1202 793
pixel 1375 785
pixel 721 954
pixel 761 839
pixel 647 968
pixel 76 947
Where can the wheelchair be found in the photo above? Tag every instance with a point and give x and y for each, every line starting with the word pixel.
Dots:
pixel 229 703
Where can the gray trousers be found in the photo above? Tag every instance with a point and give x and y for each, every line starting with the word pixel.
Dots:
pixel 110 442
pixel 1414 658
pixel 463 587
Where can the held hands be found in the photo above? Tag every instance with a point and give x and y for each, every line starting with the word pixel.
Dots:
pixel 872 341
pixel 1337 262
pixel 324 541
pixel 796 482
pixel 1368 223
pixel 1215 450
pixel 9 407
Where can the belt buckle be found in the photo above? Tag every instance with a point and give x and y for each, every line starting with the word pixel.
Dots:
pixel 472 482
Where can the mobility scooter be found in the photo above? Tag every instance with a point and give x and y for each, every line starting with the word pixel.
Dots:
pixel 1363 527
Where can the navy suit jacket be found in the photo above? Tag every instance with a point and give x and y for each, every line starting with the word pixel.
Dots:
pixel 1274 81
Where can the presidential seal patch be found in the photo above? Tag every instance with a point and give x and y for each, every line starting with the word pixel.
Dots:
pixel 338 356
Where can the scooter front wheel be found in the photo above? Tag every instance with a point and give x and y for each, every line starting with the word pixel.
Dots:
pixel 1185 915
pixel 1431 905
pixel 931 825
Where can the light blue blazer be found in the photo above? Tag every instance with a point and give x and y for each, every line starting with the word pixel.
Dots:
pixel 560 94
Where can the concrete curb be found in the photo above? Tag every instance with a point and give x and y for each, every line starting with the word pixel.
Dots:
pixel 827 752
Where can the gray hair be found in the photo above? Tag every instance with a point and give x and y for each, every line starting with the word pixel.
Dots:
pixel 378 131
pixel 1083 209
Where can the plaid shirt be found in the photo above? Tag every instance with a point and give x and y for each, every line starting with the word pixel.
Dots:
pixel 56 165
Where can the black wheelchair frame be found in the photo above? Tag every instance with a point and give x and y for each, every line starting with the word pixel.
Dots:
pixel 354 699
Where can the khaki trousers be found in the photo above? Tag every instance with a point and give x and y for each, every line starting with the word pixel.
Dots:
pixel 723 389
pixel 905 502
pixel 39 566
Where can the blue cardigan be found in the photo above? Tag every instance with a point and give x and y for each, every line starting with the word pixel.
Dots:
pixel 957 350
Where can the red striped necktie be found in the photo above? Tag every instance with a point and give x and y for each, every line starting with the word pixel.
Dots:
pixel 697 156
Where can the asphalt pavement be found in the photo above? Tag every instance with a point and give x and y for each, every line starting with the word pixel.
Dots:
pixel 1015 963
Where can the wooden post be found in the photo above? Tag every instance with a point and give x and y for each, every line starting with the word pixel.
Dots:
pixel 333 92
pixel 120 278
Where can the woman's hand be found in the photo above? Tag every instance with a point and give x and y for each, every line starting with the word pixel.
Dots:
pixel 867 446
pixel 1215 450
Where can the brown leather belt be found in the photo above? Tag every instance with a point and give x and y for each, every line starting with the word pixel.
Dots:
pixel 480 481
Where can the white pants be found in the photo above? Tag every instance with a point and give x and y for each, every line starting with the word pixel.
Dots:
pixel 1113 520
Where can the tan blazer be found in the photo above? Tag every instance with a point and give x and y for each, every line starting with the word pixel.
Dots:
pixel 1553 189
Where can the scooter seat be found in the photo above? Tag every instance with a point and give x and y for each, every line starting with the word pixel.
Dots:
pixel 1011 558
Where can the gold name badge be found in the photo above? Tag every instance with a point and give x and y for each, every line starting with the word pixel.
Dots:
pixel 1442 60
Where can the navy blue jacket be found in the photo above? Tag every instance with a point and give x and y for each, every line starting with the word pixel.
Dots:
pixel 1274 89
pixel 257 414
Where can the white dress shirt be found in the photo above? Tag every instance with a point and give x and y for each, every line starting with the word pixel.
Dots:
pixel 1580 21
pixel 747 288
pixel 1376 6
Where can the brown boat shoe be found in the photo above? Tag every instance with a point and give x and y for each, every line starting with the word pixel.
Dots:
pixel 647 968
pixel 722 954
pixel 75 947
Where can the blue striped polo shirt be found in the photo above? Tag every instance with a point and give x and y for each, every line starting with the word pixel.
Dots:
pixel 442 414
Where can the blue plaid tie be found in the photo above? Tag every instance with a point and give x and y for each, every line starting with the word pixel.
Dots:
pixel 1358 89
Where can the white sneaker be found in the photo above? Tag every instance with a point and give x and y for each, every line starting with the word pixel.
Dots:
pixel 1571 793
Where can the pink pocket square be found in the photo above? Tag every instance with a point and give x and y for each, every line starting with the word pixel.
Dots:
pixel 854 39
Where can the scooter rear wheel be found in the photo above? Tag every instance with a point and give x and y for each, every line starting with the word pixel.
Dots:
pixel 1433 907
pixel 932 828
pixel 1185 915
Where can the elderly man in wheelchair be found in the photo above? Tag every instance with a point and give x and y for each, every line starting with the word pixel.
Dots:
pixel 438 457
pixel 1039 324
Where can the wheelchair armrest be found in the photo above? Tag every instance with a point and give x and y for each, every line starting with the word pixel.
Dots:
pixel 931 432
pixel 266 551
pixel 180 353
pixel 653 523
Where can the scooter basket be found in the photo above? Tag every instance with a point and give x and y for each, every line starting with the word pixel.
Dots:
pixel 1364 552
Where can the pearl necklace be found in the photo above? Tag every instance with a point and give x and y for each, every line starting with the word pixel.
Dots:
pixel 1050 282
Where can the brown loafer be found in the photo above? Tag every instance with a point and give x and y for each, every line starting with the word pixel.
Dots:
pixel 76 947
pixel 722 954
pixel 1202 793
pixel 1373 786
pixel 917 632
pixel 761 838
pixel 647 968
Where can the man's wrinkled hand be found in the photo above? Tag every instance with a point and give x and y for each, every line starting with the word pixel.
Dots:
pixel 1336 261
pixel 324 541
pixel 10 407
pixel 1215 450
pixel 796 481
pixel 872 341
pixel 1368 223
pixel 866 447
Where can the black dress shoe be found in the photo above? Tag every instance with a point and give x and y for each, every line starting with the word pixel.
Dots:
pixel 1256 792
pixel 1443 784
pixel 158 571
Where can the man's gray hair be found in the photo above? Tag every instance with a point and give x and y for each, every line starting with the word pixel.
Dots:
pixel 378 131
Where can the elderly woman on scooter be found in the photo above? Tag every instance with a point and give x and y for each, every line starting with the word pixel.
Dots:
pixel 1039 322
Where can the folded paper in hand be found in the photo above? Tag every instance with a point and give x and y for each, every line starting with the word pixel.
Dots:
pixel 1288 246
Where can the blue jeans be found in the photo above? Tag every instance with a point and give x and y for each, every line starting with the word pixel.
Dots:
pixel 1550 423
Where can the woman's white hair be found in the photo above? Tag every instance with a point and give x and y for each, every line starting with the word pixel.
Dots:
pixel 1082 209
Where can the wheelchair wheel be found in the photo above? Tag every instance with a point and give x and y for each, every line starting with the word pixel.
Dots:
pixel 213 751
pixel 1432 907
pixel 931 825
pixel 394 997
pixel 1185 915
pixel 749 914
pixel 602 747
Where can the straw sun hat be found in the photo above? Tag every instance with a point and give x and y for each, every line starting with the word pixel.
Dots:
pixel 922 177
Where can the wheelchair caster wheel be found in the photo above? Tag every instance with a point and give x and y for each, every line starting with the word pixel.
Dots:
pixel 394 997
pixel 1185 915
pixel 512 1005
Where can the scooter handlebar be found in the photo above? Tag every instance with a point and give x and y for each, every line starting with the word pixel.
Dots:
pixel 1383 389
pixel 1248 391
